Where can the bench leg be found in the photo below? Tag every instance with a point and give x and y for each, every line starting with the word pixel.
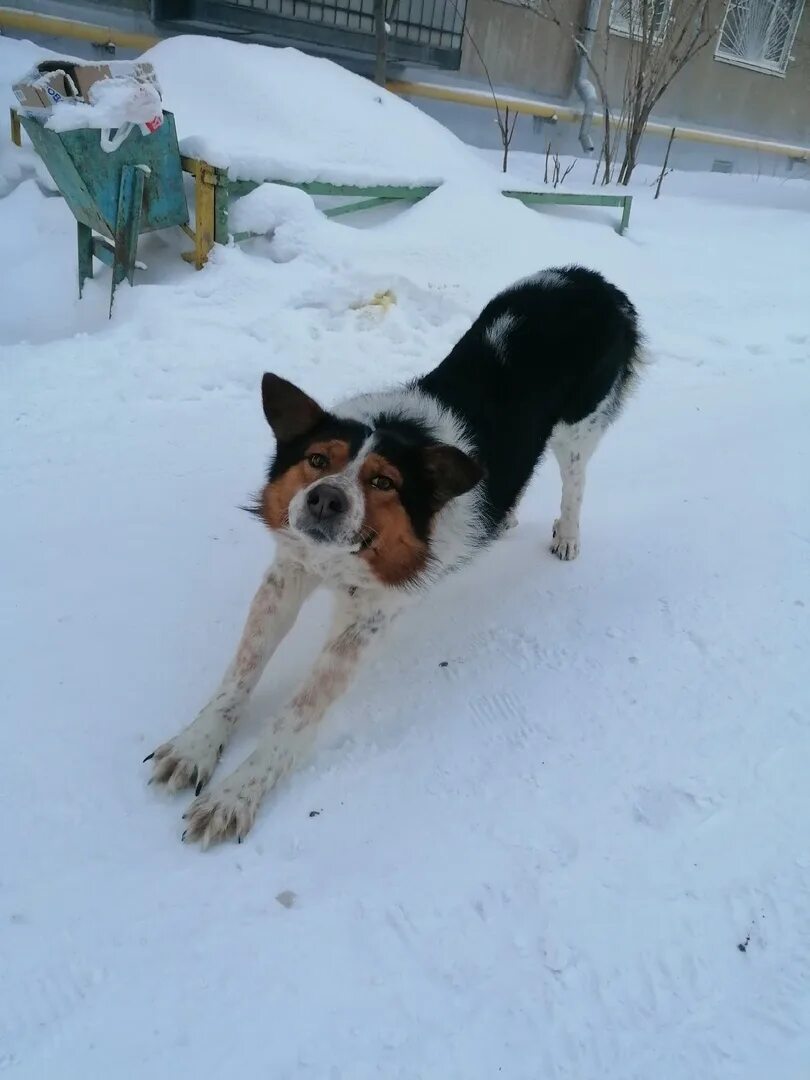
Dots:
pixel 204 213
pixel 628 202
pixel 210 209
pixel 222 197
pixel 85 247
pixel 16 133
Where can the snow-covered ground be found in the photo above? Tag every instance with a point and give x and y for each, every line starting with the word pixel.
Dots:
pixel 558 829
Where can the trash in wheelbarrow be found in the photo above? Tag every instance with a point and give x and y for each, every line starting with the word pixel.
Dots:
pixel 112 151
pixel 114 98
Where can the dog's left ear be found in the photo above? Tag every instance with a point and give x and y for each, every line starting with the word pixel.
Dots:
pixel 451 471
pixel 289 411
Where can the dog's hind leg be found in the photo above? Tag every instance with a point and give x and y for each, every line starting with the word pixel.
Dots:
pixel 573 445
pixel 511 519
pixel 192 755
pixel 228 810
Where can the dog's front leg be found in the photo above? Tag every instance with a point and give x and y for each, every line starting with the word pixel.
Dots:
pixel 229 809
pixel 192 755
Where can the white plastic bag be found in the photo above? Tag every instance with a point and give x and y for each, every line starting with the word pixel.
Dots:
pixel 117 104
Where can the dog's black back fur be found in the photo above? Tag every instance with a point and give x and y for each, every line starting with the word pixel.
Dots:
pixel 547 350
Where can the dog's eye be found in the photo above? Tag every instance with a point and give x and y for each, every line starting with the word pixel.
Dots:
pixel 318 461
pixel 381 483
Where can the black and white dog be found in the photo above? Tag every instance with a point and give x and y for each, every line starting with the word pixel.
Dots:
pixel 381 495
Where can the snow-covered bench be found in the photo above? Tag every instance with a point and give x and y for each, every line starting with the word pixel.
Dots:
pixel 216 191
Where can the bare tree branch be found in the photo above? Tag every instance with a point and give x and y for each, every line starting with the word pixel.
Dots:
pixel 506 132
pixel 664 169
pixel 658 50
pixel 659 46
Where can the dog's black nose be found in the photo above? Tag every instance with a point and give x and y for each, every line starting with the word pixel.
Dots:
pixel 327 501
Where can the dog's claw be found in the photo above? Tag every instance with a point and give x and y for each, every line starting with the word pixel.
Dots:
pixel 189 759
pixel 148 758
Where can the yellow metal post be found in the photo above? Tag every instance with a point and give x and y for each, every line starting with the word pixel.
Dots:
pixel 205 186
pixel 16 132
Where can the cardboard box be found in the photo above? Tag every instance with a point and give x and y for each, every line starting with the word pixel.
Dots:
pixel 41 91
pixel 88 74
pixel 54 80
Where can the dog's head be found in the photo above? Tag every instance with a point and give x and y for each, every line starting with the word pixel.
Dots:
pixel 369 489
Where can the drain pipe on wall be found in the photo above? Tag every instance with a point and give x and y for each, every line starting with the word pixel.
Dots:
pixel 583 85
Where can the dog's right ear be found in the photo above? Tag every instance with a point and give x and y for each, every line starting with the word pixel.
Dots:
pixel 452 471
pixel 289 411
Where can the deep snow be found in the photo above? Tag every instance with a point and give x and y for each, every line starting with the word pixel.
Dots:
pixel 539 861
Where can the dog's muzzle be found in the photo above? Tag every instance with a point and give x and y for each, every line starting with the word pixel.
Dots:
pixel 323 516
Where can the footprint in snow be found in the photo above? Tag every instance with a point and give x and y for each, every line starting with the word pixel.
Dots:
pixel 663 806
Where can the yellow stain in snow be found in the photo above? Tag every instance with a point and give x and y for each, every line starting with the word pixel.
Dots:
pixel 383 299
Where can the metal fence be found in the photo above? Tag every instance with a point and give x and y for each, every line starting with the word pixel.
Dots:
pixel 420 31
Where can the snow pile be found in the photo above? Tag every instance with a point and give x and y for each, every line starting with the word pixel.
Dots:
pixel 276 114
pixel 268 206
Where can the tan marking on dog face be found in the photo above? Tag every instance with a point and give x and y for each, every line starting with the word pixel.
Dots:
pixel 396 554
pixel 278 494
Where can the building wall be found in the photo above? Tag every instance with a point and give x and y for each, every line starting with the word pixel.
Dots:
pixel 715 94
pixel 521 50
pixel 477 126
pixel 526 52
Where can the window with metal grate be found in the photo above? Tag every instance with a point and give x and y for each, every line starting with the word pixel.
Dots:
pixel 759 34
pixel 639 18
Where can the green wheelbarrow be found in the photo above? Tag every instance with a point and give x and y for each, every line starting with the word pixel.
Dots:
pixel 118 194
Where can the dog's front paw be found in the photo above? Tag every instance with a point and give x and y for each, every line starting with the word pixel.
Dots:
pixel 189 759
pixel 565 547
pixel 228 811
